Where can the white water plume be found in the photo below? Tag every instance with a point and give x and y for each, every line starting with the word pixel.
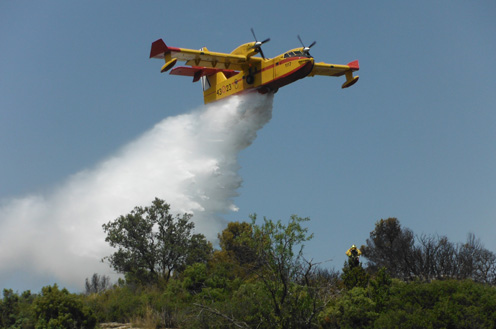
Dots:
pixel 188 160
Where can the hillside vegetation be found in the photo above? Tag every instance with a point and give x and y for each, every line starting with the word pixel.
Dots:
pixel 258 278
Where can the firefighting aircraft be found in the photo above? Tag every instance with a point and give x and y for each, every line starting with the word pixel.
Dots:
pixel 225 74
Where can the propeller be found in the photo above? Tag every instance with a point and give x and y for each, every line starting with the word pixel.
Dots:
pixel 306 50
pixel 258 44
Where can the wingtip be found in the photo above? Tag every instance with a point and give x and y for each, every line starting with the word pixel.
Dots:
pixel 350 82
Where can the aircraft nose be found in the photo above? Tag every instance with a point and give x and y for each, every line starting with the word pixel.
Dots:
pixel 306 60
pixel 306 66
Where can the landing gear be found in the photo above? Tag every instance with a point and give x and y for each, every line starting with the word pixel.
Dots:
pixel 250 79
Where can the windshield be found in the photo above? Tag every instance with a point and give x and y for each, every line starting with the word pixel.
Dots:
pixel 297 53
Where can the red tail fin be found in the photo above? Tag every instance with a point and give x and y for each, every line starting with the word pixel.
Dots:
pixel 159 49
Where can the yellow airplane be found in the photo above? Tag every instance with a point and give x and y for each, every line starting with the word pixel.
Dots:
pixel 225 74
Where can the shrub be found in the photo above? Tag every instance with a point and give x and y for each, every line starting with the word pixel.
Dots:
pixel 56 308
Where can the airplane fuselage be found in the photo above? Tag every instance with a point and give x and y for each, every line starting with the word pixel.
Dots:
pixel 268 76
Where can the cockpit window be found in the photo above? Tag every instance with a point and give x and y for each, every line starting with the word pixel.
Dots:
pixel 297 53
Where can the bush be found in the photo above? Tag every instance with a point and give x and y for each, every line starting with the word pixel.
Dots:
pixel 387 303
pixel 441 304
pixel 15 310
pixel 56 308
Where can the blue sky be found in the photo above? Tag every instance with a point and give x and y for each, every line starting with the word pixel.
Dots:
pixel 415 138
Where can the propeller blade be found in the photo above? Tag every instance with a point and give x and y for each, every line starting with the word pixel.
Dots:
pixel 253 32
pixel 301 41
pixel 258 44
pixel 306 50
pixel 266 40
pixel 261 52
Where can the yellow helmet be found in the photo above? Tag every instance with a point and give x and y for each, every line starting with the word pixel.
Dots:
pixel 353 247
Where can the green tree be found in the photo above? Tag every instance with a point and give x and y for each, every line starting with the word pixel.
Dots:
pixel 16 311
pixel 237 250
pixel 56 308
pixel 152 244
pixel 236 240
pixel 282 290
pixel 294 302
pixel 9 308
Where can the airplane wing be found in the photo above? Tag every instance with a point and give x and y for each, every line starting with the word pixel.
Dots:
pixel 198 72
pixel 201 58
pixel 335 70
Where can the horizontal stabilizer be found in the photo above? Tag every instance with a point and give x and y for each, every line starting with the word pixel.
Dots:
pixel 198 72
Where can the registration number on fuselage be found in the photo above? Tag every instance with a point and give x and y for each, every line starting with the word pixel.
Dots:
pixel 225 89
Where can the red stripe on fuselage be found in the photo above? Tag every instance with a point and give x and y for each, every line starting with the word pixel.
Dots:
pixel 300 72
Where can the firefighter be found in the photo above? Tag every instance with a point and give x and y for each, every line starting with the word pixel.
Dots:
pixel 353 256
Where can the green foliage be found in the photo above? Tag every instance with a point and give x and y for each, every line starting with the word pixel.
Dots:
pixel 284 273
pixel 16 311
pixel 354 276
pixel 9 308
pixel 441 304
pixel 152 244
pixel 115 305
pixel 260 279
pixel 279 289
pixel 355 309
pixel 386 303
pixel 380 289
pixel 237 248
pixel 56 308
